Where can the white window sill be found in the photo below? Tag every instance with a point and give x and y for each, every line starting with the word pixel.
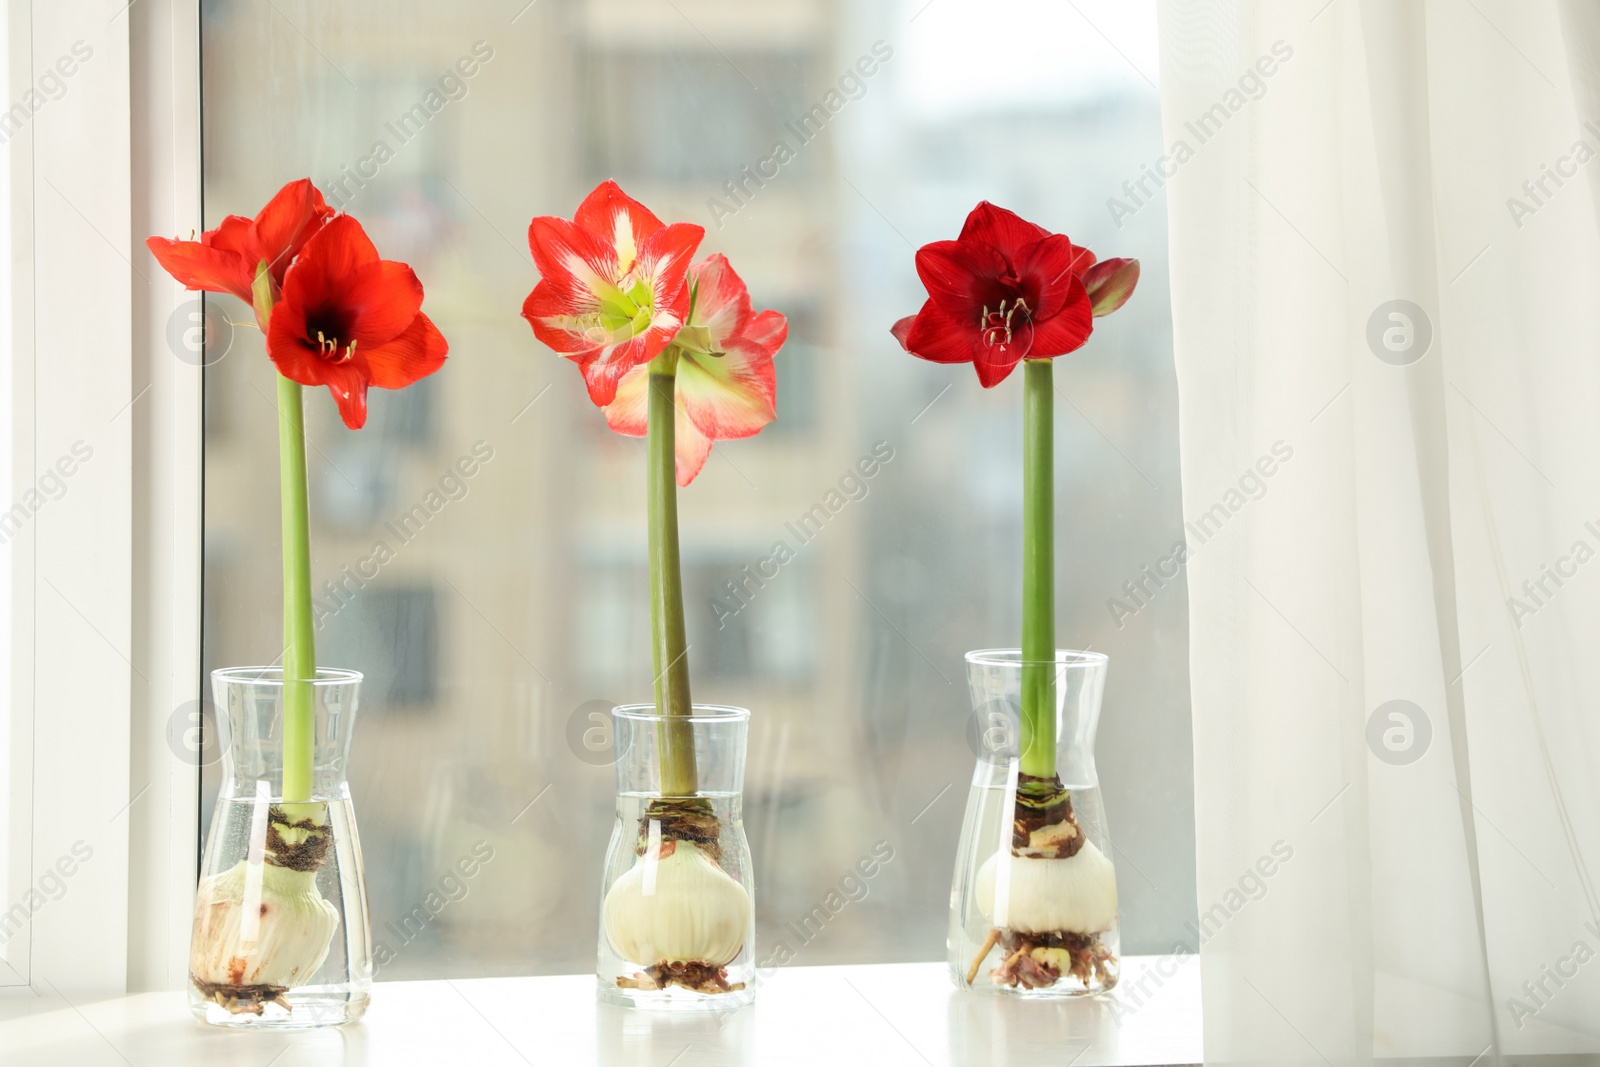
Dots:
pixel 883 1015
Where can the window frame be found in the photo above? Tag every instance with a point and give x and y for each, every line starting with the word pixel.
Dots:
pixel 100 751
pixel 106 577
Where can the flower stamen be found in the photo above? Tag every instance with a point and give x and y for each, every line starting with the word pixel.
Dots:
pixel 328 348
pixel 996 325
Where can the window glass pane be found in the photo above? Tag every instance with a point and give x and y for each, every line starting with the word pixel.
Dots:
pixel 496 612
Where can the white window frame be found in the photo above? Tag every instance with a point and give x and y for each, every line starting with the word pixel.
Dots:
pixel 105 595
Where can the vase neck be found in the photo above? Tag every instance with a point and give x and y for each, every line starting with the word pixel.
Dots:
pixel 250 721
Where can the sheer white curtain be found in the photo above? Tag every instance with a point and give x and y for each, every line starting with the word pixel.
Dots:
pixel 1385 271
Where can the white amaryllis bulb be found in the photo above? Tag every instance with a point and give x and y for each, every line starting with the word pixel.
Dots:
pixel 1045 896
pixel 260 925
pixel 679 908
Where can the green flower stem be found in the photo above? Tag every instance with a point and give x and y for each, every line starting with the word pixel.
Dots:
pixel 299 640
pixel 1038 571
pixel 668 642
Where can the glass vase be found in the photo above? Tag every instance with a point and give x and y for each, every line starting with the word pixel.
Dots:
pixel 677 915
pixel 281 937
pixel 1033 904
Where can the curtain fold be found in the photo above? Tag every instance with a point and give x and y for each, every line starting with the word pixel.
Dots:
pixel 1384 267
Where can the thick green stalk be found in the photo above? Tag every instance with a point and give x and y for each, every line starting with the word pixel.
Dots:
pixel 668 641
pixel 299 640
pixel 1038 571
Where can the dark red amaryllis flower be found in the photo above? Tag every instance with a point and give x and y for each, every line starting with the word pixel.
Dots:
pixel 349 319
pixel 1007 290
pixel 224 260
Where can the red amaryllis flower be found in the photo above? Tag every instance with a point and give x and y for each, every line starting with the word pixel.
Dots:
pixel 224 260
pixel 726 386
pixel 1007 290
pixel 349 319
pixel 612 291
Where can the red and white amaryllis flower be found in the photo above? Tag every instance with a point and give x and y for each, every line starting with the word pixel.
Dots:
pixel 349 319
pixel 1007 290
pixel 613 288
pixel 726 385
pixel 225 259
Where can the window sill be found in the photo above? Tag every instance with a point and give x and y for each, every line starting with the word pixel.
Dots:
pixel 883 1015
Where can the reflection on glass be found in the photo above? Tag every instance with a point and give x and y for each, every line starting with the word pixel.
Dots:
pixel 481 545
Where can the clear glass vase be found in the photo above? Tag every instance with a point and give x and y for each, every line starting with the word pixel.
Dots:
pixel 281 936
pixel 1033 905
pixel 677 914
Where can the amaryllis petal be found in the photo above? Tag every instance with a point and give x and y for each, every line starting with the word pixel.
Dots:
pixel 618 219
pixel 288 221
pixel 731 390
pixel 284 331
pixel 604 369
pixel 691 448
pixel 574 264
pixel 995 363
pixel 1063 332
pixel 731 395
pixel 664 261
pixel 629 414
pixel 1005 231
pixel 936 337
pixel 201 267
pixel 567 325
pixel 960 275
pixel 385 299
pixel 337 250
pixel 721 301
pixel 767 330
pixel 349 389
pixel 1046 268
pixel 416 353
pixel 224 260
pixel 1110 283
pixel 902 329
pixel 629 410
pixel 231 235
